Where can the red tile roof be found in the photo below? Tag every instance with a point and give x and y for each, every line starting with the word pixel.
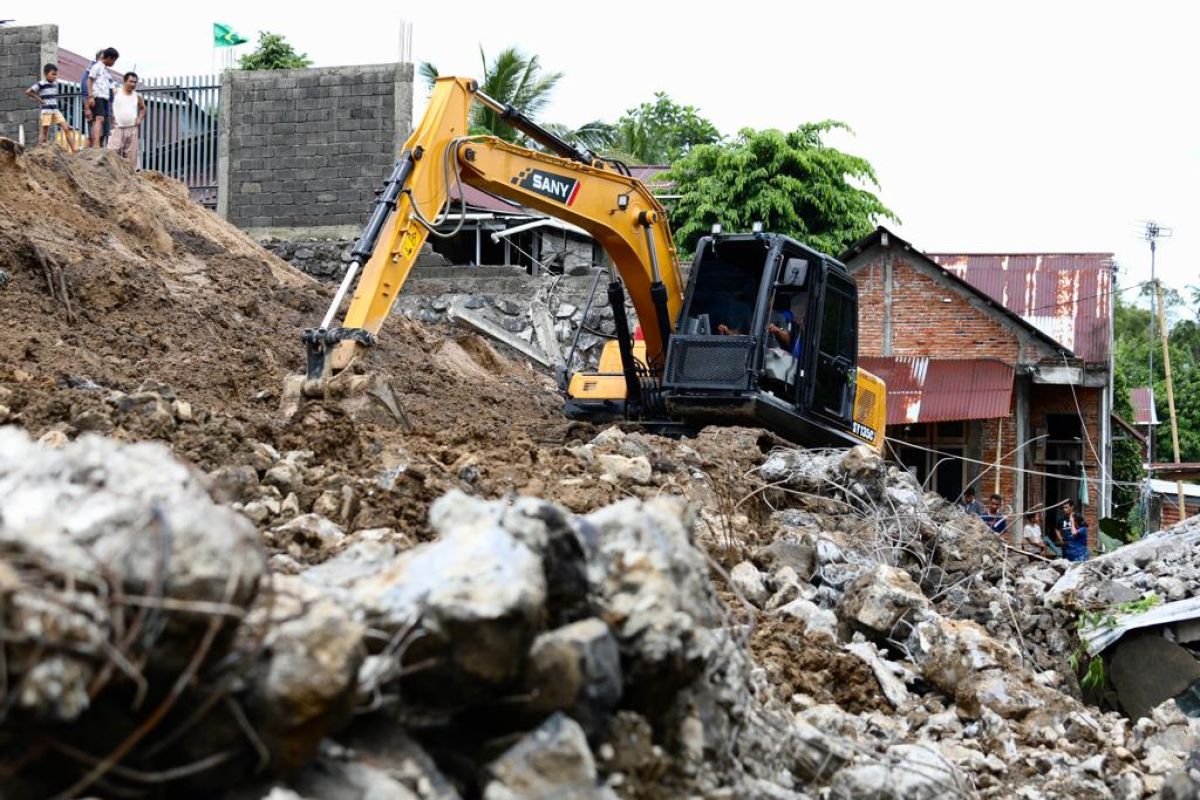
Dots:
pixel 1065 295
pixel 921 389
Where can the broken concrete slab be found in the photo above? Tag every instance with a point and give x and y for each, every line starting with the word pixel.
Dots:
pixel 1146 670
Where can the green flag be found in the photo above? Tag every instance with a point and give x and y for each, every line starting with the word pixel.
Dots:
pixel 224 36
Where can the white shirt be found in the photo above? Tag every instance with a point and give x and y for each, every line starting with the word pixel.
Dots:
pixel 1033 532
pixel 104 82
pixel 125 109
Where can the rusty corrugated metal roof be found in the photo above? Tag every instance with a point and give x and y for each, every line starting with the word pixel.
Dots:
pixel 1144 412
pixel 1065 295
pixel 921 389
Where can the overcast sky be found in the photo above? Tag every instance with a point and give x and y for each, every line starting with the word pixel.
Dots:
pixel 1003 127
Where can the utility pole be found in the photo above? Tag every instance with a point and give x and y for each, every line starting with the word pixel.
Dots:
pixel 1152 234
pixel 1162 332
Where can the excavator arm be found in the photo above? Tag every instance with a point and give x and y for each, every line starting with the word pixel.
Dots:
pixel 572 185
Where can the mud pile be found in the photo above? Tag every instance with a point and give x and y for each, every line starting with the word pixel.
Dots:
pixel 481 600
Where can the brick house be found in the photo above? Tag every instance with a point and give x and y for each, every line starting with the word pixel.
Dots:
pixel 998 368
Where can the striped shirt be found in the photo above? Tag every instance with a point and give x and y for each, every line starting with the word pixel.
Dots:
pixel 48 92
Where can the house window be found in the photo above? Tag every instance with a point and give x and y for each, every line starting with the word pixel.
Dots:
pixel 933 452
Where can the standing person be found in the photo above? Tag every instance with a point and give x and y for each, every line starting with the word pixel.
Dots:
pixel 1032 540
pixel 45 93
pixel 1072 533
pixel 969 504
pixel 100 86
pixel 994 517
pixel 128 111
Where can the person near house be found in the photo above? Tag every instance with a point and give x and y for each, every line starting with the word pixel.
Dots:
pixel 994 517
pixel 128 111
pixel 45 94
pixel 1072 533
pixel 100 85
pixel 969 504
pixel 1033 541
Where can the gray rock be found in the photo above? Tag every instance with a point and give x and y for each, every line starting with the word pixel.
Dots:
pixel 309 530
pixel 565 311
pixel 815 619
pixel 286 477
pixel 507 307
pixel 797 552
pixel 233 484
pixel 474 302
pixel 150 522
pixel 878 600
pixel 479 594
pixel 575 669
pixel 652 586
pixel 513 324
pixel 907 772
pixel 621 469
pixel 748 582
pixel 551 763
pixel 306 687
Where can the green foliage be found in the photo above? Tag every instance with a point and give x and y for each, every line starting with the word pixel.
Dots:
pixel 1095 678
pixel 792 182
pixel 511 77
pixel 660 132
pixel 1131 324
pixel 274 52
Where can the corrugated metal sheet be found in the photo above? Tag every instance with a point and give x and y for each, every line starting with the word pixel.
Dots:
pixel 1144 412
pixel 921 389
pixel 1065 295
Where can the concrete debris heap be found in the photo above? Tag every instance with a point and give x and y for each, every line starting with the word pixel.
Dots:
pixel 528 652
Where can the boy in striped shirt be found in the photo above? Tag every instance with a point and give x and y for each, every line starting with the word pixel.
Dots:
pixel 45 93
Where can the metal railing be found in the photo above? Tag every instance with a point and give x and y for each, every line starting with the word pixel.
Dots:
pixel 179 135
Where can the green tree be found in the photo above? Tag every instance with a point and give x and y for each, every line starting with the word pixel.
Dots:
pixel 511 77
pixel 274 52
pixel 1131 329
pixel 792 182
pixel 660 132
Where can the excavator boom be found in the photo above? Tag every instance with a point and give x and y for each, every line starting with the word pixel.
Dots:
pixel 616 209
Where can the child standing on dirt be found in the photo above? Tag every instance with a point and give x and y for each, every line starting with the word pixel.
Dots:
pixel 45 93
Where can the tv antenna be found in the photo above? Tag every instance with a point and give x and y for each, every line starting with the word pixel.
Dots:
pixel 1152 233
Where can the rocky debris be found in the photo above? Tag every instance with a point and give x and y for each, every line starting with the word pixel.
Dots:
pixel 1166 563
pixel 551 762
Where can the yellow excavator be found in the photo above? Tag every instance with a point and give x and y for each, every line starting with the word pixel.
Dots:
pixel 763 331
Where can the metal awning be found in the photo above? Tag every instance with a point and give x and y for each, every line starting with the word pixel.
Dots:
pixel 922 389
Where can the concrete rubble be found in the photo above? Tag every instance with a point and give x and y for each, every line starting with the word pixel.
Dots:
pixel 202 597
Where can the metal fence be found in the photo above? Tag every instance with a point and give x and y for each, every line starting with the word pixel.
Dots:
pixel 179 135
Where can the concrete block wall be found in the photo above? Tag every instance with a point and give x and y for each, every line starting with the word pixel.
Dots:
pixel 301 152
pixel 23 51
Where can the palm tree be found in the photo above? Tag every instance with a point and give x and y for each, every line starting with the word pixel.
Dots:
pixel 512 78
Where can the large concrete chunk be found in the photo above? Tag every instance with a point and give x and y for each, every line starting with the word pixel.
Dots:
pixel 97 519
pixel 907 772
pixel 477 595
pixel 576 669
pixel 552 763
pixel 653 589
pixel 878 600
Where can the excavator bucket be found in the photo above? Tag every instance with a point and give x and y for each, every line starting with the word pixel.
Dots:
pixel 369 397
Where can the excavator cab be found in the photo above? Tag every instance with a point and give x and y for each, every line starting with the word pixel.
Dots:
pixel 768 336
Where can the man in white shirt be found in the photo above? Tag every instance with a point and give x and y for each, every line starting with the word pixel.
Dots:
pixel 100 87
pixel 128 111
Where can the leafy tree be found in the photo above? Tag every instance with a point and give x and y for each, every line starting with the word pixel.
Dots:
pixel 1132 345
pixel 792 182
pixel 274 52
pixel 511 77
pixel 660 132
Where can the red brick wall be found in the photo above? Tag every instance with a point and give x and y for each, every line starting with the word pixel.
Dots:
pixel 922 324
